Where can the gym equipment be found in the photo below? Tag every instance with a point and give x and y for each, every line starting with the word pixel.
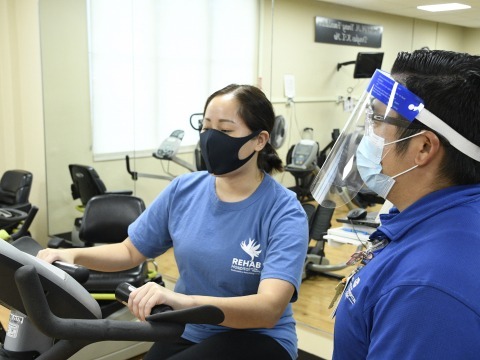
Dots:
pixel 319 221
pixel 167 150
pixel 7 217
pixel 105 221
pixel 15 188
pixel 304 155
pixel 87 184
pixel 170 146
pixel 13 216
pixel 53 317
pixel 355 230
pixel 304 160
pixel 302 163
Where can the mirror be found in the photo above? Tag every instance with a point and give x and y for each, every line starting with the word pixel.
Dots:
pixel 66 103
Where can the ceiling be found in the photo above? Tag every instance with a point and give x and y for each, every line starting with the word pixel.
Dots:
pixel 467 18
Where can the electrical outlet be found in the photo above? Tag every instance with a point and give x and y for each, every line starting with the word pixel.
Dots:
pixel 289 83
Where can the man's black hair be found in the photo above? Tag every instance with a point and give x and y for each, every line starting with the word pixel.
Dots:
pixel 449 84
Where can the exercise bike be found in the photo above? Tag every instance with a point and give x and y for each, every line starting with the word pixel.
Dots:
pixel 168 151
pixel 105 220
pixel 18 219
pixel 21 221
pixel 54 317
pixel 304 160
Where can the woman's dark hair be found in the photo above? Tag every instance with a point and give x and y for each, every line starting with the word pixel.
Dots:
pixel 449 85
pixel 257 112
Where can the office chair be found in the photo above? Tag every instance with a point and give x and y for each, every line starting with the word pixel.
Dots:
pixel 15 188
pixel 87 184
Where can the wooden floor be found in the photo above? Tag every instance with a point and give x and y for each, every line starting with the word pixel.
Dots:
pixel 317 291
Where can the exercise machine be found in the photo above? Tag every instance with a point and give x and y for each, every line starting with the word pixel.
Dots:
pixel 168 150
pixel 54 317
pixel 355 230
pixel 319 221
pixel 15 186
pixel 21 219
pixel 105 220
pixel 302 164
pixel 304 160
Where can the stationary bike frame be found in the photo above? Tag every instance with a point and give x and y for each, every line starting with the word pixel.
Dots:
pixel 53 316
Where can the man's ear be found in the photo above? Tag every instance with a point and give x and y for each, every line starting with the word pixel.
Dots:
pixel 428 147
pixel 262 140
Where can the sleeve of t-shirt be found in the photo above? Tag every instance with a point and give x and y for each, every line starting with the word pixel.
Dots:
pixel 149 232
pixel 422 322
pixel 287 245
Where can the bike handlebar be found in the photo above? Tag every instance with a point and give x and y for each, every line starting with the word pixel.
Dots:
pixel 74 334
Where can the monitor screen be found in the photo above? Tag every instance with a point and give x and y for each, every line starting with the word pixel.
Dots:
pixel 366 64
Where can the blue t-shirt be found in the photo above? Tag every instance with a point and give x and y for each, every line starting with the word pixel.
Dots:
pixel 225 249
pixel 419 297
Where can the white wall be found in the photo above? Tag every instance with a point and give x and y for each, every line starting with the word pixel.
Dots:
pixel 318 83
pixel 21 109
pixel 471 41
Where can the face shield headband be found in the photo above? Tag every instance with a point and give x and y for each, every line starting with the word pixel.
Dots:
pixel 338 181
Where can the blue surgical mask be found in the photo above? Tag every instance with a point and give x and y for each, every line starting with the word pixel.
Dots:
pixel 369 157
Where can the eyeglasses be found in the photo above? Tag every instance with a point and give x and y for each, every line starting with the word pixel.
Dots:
pixel 401 123
pixel 396 121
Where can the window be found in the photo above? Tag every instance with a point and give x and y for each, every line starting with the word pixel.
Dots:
pixel 154 62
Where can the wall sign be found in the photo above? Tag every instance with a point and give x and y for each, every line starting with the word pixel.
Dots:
pixel 341 32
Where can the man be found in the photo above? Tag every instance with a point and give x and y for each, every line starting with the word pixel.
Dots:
pixel 415 293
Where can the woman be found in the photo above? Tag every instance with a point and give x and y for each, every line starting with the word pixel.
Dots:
pixel 239 238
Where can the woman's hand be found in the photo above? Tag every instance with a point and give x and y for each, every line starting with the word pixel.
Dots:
pixel 142 300
pixel 51 255
pixel 106 258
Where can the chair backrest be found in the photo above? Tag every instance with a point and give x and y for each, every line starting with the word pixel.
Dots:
pixel 319 219
pixel 86 183
pixel 15 186
pixel 321 222
pixel 107 217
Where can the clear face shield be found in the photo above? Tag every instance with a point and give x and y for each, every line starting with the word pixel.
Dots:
pixel 361 145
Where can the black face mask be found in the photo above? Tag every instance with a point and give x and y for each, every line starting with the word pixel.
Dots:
pixel 220 151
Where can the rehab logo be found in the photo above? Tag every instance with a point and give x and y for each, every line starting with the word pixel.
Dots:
pixel 248 266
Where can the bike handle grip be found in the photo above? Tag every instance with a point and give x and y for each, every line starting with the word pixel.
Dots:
pixel 122 292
